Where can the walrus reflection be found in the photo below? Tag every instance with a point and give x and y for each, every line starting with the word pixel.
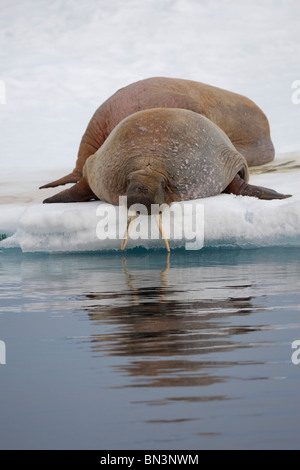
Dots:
pixel 159 330
pixel 130 278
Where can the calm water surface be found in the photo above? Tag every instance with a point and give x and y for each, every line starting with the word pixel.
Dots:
pixel 148 352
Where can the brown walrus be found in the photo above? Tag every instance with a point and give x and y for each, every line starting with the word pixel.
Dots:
pixel 244 123
pixel 160 156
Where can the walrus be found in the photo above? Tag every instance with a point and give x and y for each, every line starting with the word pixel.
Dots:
pixel 240 118
pixel 162 155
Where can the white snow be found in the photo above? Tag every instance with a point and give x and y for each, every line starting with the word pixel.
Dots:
pixel 61 59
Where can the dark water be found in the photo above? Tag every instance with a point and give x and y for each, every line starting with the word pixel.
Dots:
pixel 146 352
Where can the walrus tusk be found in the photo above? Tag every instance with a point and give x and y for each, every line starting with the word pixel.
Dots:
pixel 125 238
pixel 162 232
pixel 160 226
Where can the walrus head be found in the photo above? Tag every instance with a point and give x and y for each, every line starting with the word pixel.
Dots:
pixel 146 188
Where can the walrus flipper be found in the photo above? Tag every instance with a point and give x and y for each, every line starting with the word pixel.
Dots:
pixel 239 187
pixel 70 178
pixel 80 192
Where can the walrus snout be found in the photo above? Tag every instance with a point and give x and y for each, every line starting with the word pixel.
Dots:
pixel 146 189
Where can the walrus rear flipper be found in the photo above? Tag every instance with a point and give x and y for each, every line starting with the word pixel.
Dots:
pixel 240 188
pixel 70 178
pixel 80 192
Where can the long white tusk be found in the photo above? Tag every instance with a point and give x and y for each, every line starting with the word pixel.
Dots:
pixel 125 238
pixel 162 232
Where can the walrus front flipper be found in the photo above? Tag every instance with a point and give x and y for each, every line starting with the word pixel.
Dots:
pixel 240 188
pixel 70 178
pixel 80 192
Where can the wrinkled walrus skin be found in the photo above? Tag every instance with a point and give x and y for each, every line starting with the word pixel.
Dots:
pixel 163 155
pixel 242 120
pixel 193 155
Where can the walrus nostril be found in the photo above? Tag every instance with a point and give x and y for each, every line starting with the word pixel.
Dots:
pixel 142 190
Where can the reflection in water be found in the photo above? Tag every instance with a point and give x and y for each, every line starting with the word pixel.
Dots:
pixel 164 331
pixel 131 277
pixel 191 351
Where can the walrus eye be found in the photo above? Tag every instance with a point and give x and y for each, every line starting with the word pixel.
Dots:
pixel 128 181
pixel 163 183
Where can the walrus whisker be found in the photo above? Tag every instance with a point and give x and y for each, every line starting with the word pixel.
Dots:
pixel 126 234
pixel 161 230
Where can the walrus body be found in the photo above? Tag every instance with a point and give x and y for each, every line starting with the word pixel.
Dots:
pixel 195 158
pixel 160 156
pixel 242 120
